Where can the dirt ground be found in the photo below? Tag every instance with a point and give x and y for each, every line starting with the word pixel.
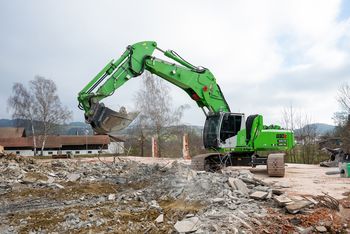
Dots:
pixel 302 179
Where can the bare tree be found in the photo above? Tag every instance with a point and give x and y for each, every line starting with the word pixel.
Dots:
pixel 155 104
pixel 288 117
pixel 306 135
pixel 288 122
pixel 340 118
pixel 41 104
pixel 21 102
pixel 344 97
pixel 137 132
pixel 343 118
pixel 48 108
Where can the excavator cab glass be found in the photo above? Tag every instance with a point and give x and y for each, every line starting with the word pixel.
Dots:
pixel 210 132
pixel 220 127
pixel 230 125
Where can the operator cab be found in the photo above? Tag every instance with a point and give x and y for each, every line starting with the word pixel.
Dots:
pixel 220 130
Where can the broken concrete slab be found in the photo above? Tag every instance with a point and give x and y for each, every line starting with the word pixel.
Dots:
pixel 246 174
pixel 73 177
pixel 282 200
pixel 58 185
pixel 269 194
pixel 231 182
pixel 259 195
pixel 238 184
pixel 218 200
pixel 50 180
pixel 111 197
pixel 160 218
pixel 303 230
pixel 296 206
pixel 311 200
pixel 321 229
pixel 32 177
pixel 187 225
pixel 277 191
pixel 262 188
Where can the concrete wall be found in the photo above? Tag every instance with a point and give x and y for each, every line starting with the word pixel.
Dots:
pixel 116 148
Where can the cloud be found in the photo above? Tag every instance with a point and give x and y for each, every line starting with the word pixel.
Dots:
pixel 264 54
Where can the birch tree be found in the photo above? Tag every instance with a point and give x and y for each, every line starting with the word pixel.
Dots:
pixel 155 104
pixel 21 103
pixel 39 103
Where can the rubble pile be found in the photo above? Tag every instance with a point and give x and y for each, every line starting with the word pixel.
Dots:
pixel 126 196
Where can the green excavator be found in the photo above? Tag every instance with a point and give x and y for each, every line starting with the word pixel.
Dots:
pixel 232 138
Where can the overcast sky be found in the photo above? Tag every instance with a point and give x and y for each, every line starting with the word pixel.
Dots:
pixel 265 55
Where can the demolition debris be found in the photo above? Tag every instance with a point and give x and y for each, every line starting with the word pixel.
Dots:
pixel 128 197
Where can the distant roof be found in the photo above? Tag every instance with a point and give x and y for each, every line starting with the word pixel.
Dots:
pixel 55 141
pixel 12 132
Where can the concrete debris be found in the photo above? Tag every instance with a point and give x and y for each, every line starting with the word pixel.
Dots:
pixel 296 206
pixel 259 195
pixel 231 182
pixel 111 197
pixel 218 200
pixel 303 230
pixel 311 200
pixel 160 218
pixel 187 225
pixel 73 177
pixel 239 185
pixel 131 197
pixel 321 229
pixel 282 200
pixel 58 185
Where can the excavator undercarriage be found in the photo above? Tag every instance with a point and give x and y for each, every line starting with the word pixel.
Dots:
pixel 213 162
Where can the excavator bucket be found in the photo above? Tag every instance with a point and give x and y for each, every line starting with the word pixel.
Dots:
pixel 105 120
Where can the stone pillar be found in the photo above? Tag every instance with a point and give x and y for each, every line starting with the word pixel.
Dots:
pixel 155 153
pixel 185 147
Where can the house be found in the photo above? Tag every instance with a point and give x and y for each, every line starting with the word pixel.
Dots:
pixel 15 140
pixel 12 132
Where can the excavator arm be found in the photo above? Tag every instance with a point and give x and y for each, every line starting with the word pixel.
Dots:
pixel 199 83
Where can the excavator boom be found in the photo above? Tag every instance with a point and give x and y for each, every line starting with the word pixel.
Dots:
pixel 199 83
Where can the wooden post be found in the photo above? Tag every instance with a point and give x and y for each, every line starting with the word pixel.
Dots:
pixel 185 147
pixel 155 152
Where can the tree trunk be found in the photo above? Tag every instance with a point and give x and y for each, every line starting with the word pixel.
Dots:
pixel 159 143
pixel 34 138
pixel 43 145
pixel 142 144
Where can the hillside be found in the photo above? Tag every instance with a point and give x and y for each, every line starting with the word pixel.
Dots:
pixel 321 128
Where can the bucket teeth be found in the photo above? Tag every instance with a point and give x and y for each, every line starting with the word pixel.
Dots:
pixel 104 120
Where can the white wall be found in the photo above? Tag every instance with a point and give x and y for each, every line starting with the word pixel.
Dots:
pixel 116 148
pixel 22 152
pixel 113 148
